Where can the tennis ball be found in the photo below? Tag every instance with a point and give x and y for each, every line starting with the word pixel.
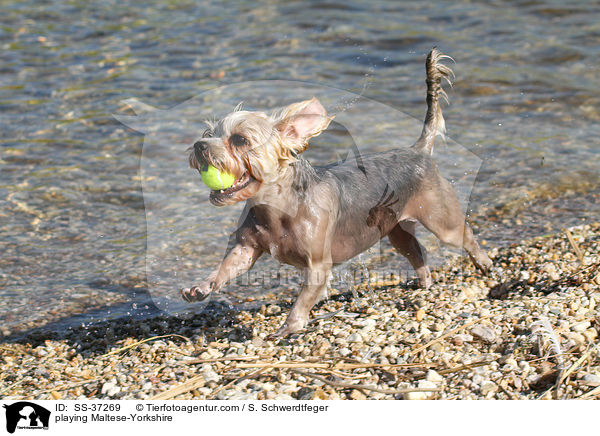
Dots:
pixel 215 179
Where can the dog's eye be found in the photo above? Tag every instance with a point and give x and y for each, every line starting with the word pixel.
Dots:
pixel 207 133
pixel 238 140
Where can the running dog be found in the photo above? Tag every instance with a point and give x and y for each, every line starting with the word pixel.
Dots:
pixel 317 217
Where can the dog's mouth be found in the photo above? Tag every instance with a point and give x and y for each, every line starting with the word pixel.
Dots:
pixel 222 196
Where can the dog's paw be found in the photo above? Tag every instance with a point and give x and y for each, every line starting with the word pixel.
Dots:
pixel 425 282
pixel 286 329
pixel 484 265
pixel 197 293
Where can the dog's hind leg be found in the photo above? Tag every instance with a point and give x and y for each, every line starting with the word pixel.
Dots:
pixel 403 238
pixel 441 214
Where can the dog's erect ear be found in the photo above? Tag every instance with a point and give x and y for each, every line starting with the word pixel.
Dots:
pixel 301 121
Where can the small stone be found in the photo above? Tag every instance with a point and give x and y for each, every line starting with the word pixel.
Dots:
pixel 466 337
pixel 209 374
pixel 473 292
pixel 354 338
pixel 433 376
pixel 416 395
pixel 590 335
pixel 204 391
pixel 550 269
pixel 513 312
pixel 369 324
pixel 438 327
pixel 524 276
pixel 488 387
pixel 357 395
pixel 425 331
pixel 320 394
pixel 387 350
pixel 421 395
pixel 288 387
pixel 591 379
pixel 321 347
pixel 484 333
pixel 478 379
pixel 420 302
pixel 305 393
pixel 580 327
pixel 510 364
pixel 110 389
pixel 437 347
pixel 461 339
pixel 419 315
pixel 273 309
pixel 344 351
pixel 517 383
pixel 524 365
pixel 456 340
pixel 577 338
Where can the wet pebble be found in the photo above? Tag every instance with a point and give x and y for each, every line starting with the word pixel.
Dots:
pixel 110 389
pixel 488 387
pixel 355 338
pixel 484 333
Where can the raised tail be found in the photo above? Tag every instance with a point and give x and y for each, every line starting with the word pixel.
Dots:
pixel 434 123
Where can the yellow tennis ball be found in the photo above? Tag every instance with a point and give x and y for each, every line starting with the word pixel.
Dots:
pixel 215 179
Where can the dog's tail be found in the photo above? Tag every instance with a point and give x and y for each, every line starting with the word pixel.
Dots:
pixel 434 123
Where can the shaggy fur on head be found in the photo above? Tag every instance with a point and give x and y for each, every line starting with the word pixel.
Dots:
pixel 273 141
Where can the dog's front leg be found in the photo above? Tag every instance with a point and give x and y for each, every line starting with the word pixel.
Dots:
pixel 239 260
pixel 314 288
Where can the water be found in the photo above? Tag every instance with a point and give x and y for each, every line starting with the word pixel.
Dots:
pixel 73 229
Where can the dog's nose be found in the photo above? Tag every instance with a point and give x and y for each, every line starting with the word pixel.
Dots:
pixel 200 146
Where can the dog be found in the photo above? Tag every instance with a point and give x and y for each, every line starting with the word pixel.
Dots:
pixel 317 217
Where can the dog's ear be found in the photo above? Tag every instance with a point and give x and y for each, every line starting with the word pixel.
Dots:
pixel 301 121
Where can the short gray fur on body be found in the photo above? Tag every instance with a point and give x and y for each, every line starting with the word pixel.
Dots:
pixel 316 218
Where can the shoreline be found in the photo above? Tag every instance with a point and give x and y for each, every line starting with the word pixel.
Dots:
pixel 468 337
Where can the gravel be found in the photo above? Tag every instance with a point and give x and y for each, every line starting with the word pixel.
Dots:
pixel 468 337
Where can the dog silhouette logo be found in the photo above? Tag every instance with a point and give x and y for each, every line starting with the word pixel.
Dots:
pixel 26 415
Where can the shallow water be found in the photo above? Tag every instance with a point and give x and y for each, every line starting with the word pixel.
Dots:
pixel 75 224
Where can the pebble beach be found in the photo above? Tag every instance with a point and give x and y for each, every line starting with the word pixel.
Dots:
pixel 529 330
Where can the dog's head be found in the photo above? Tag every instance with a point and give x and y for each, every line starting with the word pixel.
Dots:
pixel 256 147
